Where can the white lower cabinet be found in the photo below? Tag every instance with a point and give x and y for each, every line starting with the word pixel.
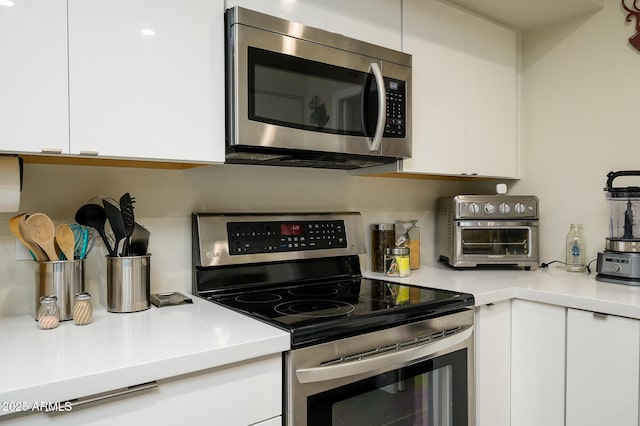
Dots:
pixel 246 393
pixel 493 364
pixel 537 364
pixel 602 369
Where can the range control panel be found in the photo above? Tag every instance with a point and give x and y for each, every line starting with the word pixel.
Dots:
pixel 284 236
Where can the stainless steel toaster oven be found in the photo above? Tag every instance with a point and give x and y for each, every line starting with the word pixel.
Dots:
pixel 488 230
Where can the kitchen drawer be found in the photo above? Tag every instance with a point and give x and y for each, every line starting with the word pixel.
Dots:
pixel 240 394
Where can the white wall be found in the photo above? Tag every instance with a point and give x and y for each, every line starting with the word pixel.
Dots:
pixel 165 200
pixel 581 104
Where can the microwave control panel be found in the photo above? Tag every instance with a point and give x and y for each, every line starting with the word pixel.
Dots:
pixel 395 126
pixel 285 236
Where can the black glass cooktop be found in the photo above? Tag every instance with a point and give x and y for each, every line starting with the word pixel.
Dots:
pixel 314 313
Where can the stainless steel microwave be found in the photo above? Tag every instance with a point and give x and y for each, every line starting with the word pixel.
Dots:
pixel 301 96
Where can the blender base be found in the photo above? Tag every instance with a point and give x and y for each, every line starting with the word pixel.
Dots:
pixel 618 268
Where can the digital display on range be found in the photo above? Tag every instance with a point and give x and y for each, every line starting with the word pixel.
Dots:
pixel 290 229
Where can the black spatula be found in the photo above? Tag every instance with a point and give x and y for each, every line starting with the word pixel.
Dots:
pixel 128 220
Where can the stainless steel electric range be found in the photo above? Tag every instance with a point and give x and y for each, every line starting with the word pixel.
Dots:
pixel 363 351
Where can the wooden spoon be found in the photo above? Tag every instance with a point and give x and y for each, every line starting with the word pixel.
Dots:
pixel 18 225
pixel 42 230
pixel 65 240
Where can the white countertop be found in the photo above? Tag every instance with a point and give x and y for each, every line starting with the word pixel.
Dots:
pixel 553 285
pixel 120 350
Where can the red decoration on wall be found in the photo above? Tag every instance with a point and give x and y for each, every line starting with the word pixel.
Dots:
pixel 633 13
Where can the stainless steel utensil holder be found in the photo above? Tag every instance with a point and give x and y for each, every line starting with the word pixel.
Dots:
pixel 128 284
pixel 63 278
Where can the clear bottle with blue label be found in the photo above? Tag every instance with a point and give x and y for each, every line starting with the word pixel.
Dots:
pixel 576 260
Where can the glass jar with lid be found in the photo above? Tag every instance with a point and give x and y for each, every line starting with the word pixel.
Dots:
pixel 396 262
pixel 408 235
pixel 82 311
pixel 48 313
pixel 383 236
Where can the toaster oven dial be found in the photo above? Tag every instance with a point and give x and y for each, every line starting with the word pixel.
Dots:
pixel 489 208
pixel 504 208
pixel 519 208
pixel 474 208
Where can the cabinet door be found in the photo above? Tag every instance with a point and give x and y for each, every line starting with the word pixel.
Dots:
pixel 374 21
pixel 307 12
pixel 493 364
pixel 146 79
pixel 491 82
pixel 34 108
pixel 434 33
pixel 602 369
pixel 537 364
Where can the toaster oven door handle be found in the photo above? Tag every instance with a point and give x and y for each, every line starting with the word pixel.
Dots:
pixel 374 144
pixel 396 358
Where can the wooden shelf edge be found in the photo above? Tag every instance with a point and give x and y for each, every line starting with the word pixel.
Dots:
pixel 107 162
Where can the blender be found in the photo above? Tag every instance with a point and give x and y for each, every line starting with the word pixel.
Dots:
pixel 620 261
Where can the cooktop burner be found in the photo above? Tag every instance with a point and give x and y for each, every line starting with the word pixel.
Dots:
pixel 314 308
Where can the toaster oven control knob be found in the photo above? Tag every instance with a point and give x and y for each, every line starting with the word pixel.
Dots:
pixel 519 208
pixel 489 208
pixel 474 208
pixel 504 208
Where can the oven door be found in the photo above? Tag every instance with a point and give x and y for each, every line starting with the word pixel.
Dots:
pixel 290 93
pixel 496 242
pixel 413 384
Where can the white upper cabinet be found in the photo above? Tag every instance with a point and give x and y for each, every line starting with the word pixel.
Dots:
pixel 434 34
pixel 491 82
pixel 465 103
pixel 146 79
pixel 34 104
pixel 307 12
pixel 374 21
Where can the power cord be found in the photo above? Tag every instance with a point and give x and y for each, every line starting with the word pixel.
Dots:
pixel 546 265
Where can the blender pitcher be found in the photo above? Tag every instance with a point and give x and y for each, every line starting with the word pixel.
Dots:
pixel 624 219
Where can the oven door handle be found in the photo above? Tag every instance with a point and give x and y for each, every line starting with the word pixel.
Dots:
pixel 376 362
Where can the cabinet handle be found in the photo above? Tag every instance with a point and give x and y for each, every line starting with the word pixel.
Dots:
pixel 600 316
pixel 111 394
pixel 89 153
pixel 51 151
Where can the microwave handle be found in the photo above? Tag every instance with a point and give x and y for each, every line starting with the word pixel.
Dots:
pixel 374 144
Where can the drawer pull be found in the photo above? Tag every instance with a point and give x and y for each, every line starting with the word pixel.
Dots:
pixel 89 153
pixel 51 151
pixel 111 394
pixel 601 316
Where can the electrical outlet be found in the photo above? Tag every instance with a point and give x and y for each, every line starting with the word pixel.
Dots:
pixel 22 253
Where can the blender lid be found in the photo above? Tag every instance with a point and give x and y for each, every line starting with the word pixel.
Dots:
pixel 623 191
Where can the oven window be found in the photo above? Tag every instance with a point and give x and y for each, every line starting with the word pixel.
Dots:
pixel 496 241
pixel 430 393
pixel 299 93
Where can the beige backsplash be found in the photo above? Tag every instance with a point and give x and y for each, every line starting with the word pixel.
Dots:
pixel 165 200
